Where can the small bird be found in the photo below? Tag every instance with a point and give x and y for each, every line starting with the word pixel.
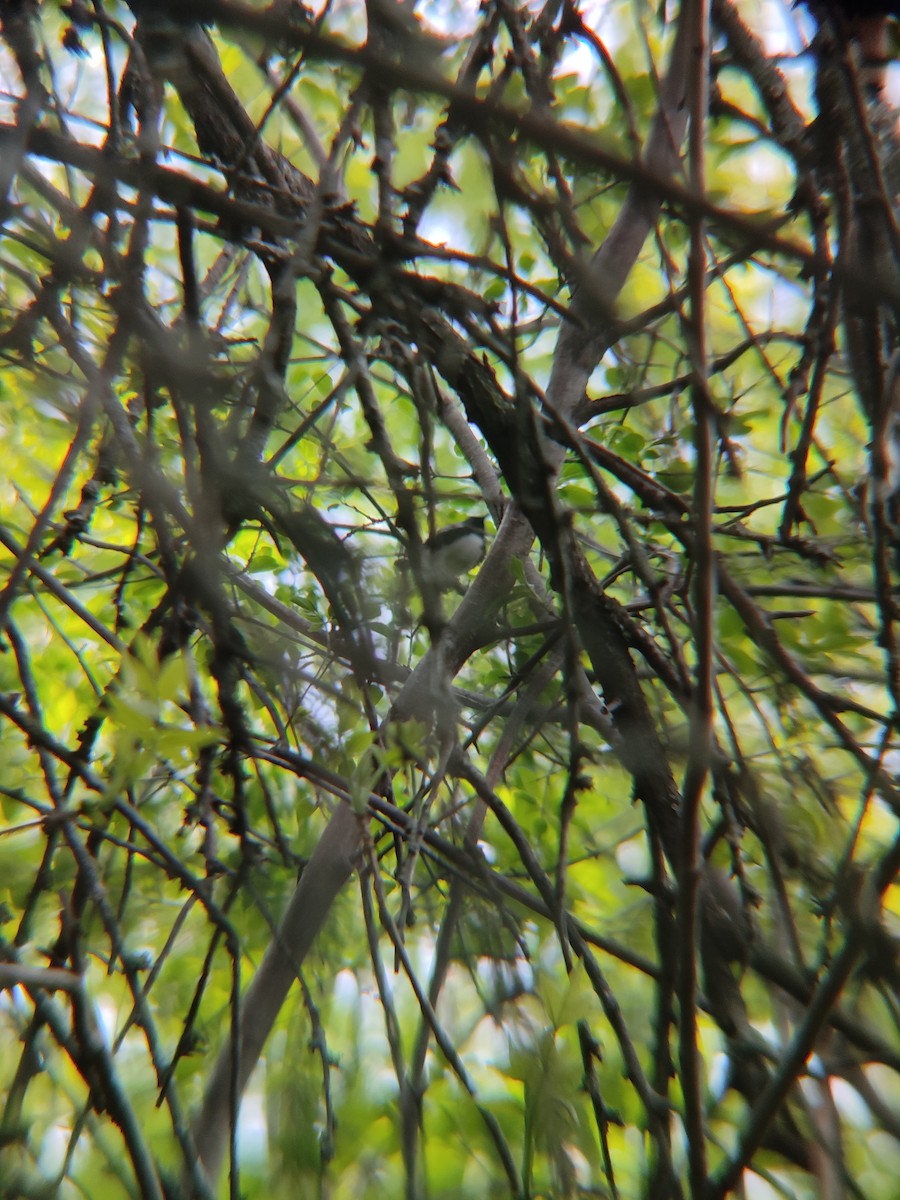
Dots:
pixel 453 552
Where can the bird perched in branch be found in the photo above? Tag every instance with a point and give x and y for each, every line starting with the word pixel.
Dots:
pixel 453 552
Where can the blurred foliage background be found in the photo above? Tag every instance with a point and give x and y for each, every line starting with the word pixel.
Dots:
pixel 596 852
